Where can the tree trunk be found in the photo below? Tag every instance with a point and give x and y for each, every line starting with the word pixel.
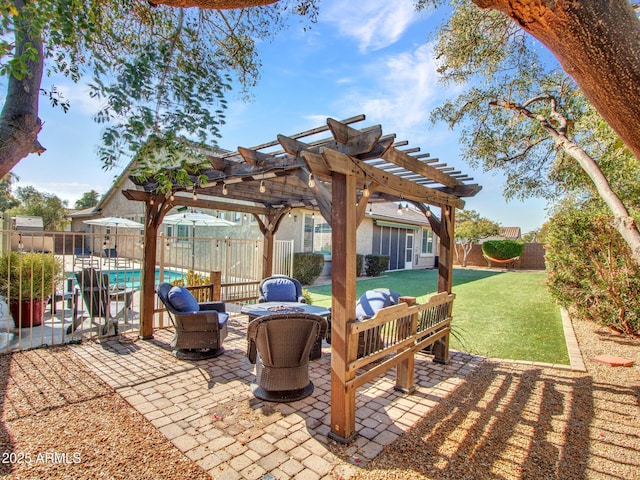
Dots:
pixel 623 222
pixel 597 43
pixel 19 122
pixel 466 248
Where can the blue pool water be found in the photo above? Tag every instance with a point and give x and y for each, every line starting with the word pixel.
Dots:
pixel 131 278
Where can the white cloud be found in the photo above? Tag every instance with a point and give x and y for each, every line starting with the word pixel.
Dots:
pixel 79 98
pixel 402 93
pixel 374 24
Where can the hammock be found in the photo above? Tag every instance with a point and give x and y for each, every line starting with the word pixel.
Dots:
pixel 506 262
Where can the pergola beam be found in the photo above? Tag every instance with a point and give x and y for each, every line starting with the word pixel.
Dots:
pixel 403 160
pixel 388 183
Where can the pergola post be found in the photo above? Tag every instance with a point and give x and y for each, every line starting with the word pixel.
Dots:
pixel 148 294
pixel 445 273
pixel 445 263
pixel 269 228
pixel 343 277
pixel 267 254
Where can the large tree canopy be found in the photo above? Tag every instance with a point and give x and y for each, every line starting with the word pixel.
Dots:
pixel 159 72
pixel 521 115
pixel 596 42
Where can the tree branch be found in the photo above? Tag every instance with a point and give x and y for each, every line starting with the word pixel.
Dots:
pixel 212 4
pixel 623 221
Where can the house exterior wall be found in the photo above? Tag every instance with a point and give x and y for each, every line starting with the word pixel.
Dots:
pixel 370 239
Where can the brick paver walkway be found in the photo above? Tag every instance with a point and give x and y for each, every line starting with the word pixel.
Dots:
pixel 207 410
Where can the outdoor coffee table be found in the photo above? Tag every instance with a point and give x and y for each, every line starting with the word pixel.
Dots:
pixel 276 308
pixel 273 308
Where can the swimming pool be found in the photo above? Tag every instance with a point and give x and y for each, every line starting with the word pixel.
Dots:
pixel 131 278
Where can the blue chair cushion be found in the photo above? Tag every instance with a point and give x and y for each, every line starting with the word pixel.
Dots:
pixel 279 290
pixel 373 300
pixel 182 300
pixel 223 317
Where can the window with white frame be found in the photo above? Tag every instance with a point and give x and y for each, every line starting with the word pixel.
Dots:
pixel 427 242
pixel 317 235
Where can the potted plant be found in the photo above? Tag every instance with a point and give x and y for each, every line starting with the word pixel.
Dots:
pixel 26 281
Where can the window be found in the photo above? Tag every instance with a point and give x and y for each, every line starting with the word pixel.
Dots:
pixel 317 235
pixel 427 242
pixel 182 233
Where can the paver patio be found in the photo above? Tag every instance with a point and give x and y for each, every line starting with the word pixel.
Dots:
pixel 207 410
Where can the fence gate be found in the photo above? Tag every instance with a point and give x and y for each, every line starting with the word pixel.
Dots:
pixel 283 257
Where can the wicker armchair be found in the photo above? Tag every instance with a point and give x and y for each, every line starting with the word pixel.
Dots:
pixel 280 288
pixel 279 345
pixel 200 327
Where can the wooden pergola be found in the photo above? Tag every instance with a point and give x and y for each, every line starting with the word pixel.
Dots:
pixel 337 174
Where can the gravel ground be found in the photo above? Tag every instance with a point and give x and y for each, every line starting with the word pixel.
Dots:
pixel 510 421
pixel 56 415
pixel 506 421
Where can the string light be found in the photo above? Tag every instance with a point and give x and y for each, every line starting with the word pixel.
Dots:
pixel 195 195
pixel 406 207
pixel 399 212
pixel 172 197
pixel 263 187
pixel 225 190
pixel 151 202
pixel 428 213
pixel 289 213
pixel 312 181
pixel 365 192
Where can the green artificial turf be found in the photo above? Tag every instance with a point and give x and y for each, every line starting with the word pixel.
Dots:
pixel 507 315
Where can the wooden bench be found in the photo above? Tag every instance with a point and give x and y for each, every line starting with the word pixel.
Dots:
pixel 394 334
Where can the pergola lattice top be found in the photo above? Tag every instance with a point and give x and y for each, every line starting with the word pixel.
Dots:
pixel 284 166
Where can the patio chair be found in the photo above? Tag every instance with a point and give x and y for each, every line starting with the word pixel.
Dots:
pixel 83 256
pixel 279 346
pixel 200 328
pixel 280 288
pixel 97 296
pixel 110 254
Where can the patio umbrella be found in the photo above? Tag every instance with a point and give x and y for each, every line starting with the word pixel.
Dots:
pixel 196 219
pixel 116 222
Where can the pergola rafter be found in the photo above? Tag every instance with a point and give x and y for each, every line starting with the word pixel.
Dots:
pixel 331 175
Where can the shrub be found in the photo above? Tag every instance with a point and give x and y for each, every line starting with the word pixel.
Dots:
pixel 502 249
pixel 307 267
pixel 193 279
pixel 376 265
pixel 359 264
pixel 307 296
pixel 29 275
pixel 590 270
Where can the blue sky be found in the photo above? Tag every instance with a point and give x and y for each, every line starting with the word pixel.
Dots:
pixel 371 57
